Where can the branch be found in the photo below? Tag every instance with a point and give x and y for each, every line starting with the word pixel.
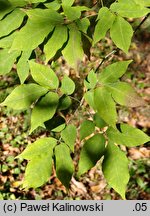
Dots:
pixel 141 23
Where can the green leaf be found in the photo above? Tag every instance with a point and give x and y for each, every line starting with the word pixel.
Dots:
pixel 72 13
pixel 128 136
pixel 44 110
pixel 7 6
pixel 35 1
pixel 125 95
pixel 64 164
pixel 6 42
pixel 73 52
pixel 92 79
pixel 7 60
pixel 99 122
pixel 69 135
pixel 55 5
pixel 56 124
pixel 93 149
pixel 105 106
pixel 32 34
pixel 67 2
pixel 23 96
pixel 11 22
pixel 89 97
pixel 83 24
pixel 67 85
pixel 129 10
pixel 87 127
pixel 113 72
pixel 105 21
pixel 23 66
pixel 115 168
pixel 38 148
pixel 39 168
pixel 64 102
pixel 44 75
pixel 49 16
pixel 60 35
pixel 121 33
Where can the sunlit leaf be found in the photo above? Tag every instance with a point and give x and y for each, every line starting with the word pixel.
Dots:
pixel 121 33
pixel 23 96
pixel 115 168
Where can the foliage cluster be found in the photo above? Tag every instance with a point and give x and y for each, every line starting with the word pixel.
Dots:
pixel 64 28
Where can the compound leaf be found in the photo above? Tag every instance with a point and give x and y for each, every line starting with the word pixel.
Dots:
pixel 23 96
pixel 115 168
pixel 40 23
pixel 64 164
pixel 92 150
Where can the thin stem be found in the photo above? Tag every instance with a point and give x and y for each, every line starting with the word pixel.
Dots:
pixel 141 23
pixel 102 3
pixel 105 58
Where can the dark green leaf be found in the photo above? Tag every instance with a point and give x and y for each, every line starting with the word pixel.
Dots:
pixel 87 127
pixel 93 149
pixel 44 110
pixel 69 135
pixel 64 164
pixel 99 122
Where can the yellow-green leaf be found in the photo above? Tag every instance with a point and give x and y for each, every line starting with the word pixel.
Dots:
pixel 58 38
pixel 115 168
pixel 23 96
pixel 121 33
pixel 44 75
pixel 105 106
pixel 73 52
